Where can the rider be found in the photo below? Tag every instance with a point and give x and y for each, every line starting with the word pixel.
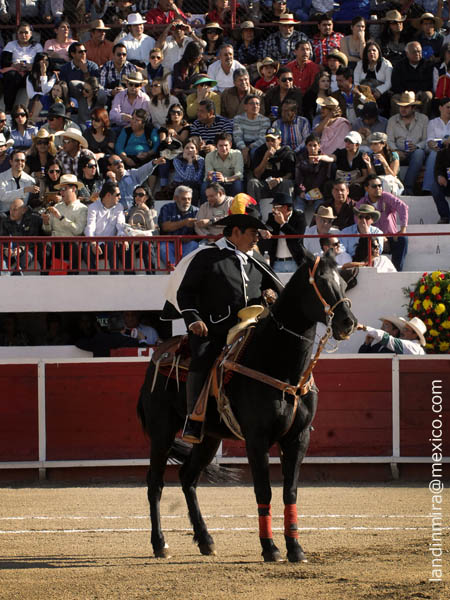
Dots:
pixel 214 284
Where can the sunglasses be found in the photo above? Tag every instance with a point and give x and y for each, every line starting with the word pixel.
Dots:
pixel 91 166
pixel 121 53
pixel 96 120
pixel 53 118
pixel 365 217
pixel 116 194
pixel 43 142
pixel 287 79
pixel 2 120
pixel 20 115
pixel 136 85
pixel 116 163
pixel 81 51
pixel 139 194
pixel 52 171
pixel 176 112
pixel 376 185
pixel 156 85
pixel 155 57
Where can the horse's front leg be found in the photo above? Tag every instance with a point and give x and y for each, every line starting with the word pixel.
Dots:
pixel 200 457
pixel 258 458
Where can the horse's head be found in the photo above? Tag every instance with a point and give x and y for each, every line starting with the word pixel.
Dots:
pixel 323 294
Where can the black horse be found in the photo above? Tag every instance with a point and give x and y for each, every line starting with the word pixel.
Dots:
pixel 281 348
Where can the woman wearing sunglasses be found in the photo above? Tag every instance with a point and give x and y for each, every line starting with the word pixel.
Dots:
pixel 92 97
pixel 99 136
pixel 21 132
pixel 90 177
pixel 41 154
pixel 142 219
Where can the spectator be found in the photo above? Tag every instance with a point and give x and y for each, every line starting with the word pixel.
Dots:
pixel 390 208
pixel 155 68
pixel 275 96
pixel 66 219
pixel 381 263
pixel 59 94
pixel 5 146
pixel 216 207
pixel 342 258
pixel 233 98
pixel 222 70
pixel 428 26
pixel 332 128
pixel 411 341
pixel 92 97
pixel 136 329
pixel 247 52
pixel 174 46
pixel 79 68
pixel 165 12
pixel 325 39
pixel 392 326
pixel 114 71
pixel 273 167
pixel 294 129
pixel 39 82
pixel 320 89
pixel 129 100
pixel 208 125
pixel 137 43
pixel 160 102
pixel 4 128
pixel 17 59
pixel 284 220
pixel 375 72
pixel 74 147
pixel 438 135
pixel 384 162
pixel 366 216
pixel 267 70
pixel 212 34
pixel 370 121
pixel 336 61
pixel 220 12
pixel 142 219
pixel 353 45
pixel 21 131
pixel 99 136
pixel 312 171
pixel 21 222
pixel 341 204
pixel 281 45
pixel 441 185
pixel 190 169
pixel 127 180
pixel 53 173
pixel 350 95
pixel 41 153
pixel 324 221
pixel 393 38
pixel 15 183
pixel 105 218
pixel 413 73
pixel 350 165
pixel 407 135
pixel 441 69
pixel 202 85
pixel 187 68
pixel 99 49
pixel 303 69
pixel 225 166
pixel 177 218
pixel 249 128
pixel 58 46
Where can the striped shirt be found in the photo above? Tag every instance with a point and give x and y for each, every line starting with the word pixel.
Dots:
pixel 294 134
pixel 249 132
pixel 208 132
pixel 110 77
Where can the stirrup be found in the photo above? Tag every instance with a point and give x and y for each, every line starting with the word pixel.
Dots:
pixel 192 431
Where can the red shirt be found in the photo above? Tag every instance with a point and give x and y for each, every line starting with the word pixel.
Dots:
pixel 264 85
pixel 156 16
pixel 303 77
pixel 322 47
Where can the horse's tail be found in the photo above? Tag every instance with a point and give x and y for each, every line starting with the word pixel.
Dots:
pixel 215 473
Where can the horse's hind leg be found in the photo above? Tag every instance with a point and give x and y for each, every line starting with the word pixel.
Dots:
pixel 200 457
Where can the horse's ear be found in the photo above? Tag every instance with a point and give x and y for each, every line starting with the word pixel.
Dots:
pixel 304 254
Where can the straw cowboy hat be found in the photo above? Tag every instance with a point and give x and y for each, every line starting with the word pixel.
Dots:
pixel 368 211
pixel 407 99
pixel 396 321
pixel 212 26
pixel 416 23
pixel 5 142
pixel 136 77
pixel 286 19
pixel 326 212
pixel 98 24
pixel 73 134
pixel 267 62
pixel 418 326
pixel 42 134
pixel 135 19
pixel 394 16
pixel 340 56
pixel 68 179
pixel 328 102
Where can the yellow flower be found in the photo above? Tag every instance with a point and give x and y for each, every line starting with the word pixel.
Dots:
pixel 435 291
pixel 448 288
pixel 444 346
pixel 435 275
pixel 434 333
pixel 429 322
pixel 429 346
pixel 427 304
pixel 440 308
pixel 422 289
pixel 416 304
pixel 445 324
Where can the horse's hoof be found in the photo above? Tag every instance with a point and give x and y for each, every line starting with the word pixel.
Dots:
pixel 207 549
pixel 163 552
pixel 272 556
pixel 296 556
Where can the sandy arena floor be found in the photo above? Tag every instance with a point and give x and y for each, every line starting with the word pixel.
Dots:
pixel 90 543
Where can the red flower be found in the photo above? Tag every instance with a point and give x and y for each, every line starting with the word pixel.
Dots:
pixel 411 294
pixel 438 297
pixel 442 276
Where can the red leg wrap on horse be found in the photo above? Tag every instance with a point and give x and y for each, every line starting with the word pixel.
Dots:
pixel 290 520
pixel 265 521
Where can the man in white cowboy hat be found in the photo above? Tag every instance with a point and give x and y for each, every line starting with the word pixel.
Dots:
pixel 222 70
pixel 174 45
pixel 411 340
pixel 428 35
pixel 74 147
pixel 99 49
pixel 114 71
pixel 393 326
pixel 67 218
pixel 366 215
pixel 127 101
pixel 325 39
pixel 15 183
pixel 407 134
pixel 281 45
pixel 303 69
pixel 5 145
pixel 137 43
pixel 412 73
pixel 324 221
pixel 165 12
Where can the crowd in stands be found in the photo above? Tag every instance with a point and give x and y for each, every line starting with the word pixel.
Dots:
pixel 114 104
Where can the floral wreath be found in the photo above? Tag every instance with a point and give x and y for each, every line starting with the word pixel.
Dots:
pixel 430 301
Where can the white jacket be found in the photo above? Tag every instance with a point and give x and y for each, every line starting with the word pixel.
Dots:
pixel 383 75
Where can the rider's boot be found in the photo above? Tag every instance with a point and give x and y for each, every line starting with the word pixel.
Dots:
pixel 192 431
